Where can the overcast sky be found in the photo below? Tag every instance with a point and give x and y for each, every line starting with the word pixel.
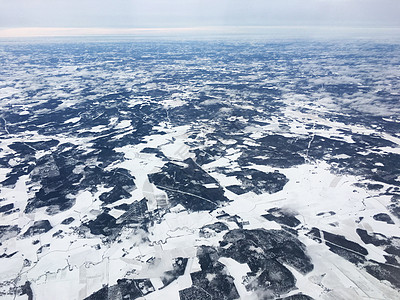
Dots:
pixel 197 13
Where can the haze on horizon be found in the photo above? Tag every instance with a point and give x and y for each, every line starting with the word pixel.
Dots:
pixel 164 14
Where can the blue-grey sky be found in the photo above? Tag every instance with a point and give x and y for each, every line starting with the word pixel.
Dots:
pixel 197 13
pixel 192 13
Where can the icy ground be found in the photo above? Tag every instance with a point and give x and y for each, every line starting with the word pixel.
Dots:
pixel 199 170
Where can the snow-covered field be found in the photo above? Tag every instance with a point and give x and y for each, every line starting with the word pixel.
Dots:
pixel 130 178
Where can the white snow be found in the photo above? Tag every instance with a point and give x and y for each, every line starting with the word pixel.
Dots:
pixel 73 120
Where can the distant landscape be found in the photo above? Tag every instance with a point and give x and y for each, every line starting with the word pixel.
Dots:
pixel 199 169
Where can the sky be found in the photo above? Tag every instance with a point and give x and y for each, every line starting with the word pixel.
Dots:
pixel 124 14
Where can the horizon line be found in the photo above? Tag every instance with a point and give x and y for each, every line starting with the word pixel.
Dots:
pixel 20 32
